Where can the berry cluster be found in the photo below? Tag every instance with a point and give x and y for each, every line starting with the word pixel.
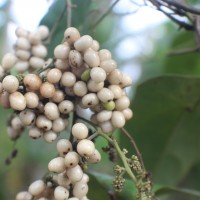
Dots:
pixel 79 77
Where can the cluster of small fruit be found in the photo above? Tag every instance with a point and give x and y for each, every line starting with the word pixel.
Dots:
pixel 40 106
pixel 69 178
pixel 79 77
pixel 30 52
pixel 91 75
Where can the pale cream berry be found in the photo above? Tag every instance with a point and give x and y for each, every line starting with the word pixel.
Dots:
pixel 68 79
pixel 34 38
pixel 21 32
pixel 80 88
pixel 8 61
pixel 51 111
pixel 85 147
pixel 21 66
pixel 36 62
pixel 80 190
pixel 10 83
pixel 43 123
pixel 39 50
pixel 43 31
pixel 104 115
pixel 47 90
pixel 17 101
pixel 32 82
pixel 117 91
pixel 71 35
pixel 57 165
pixel 93 86
pixel 23 43
pixel 108 65
pixel 61 193
pixel 104 54
pixel 59 124
pixel 24 195
pixel 35 132
pixel 4 99
pixel 50 136
pixel 23 54
pixel 16 123
pixel 66 107
pixel 62 51
pixel 118 119
pixel 107 127
pixel 71 159
pixel 122 103
pixel 95 157
pixel 75 59
pixel 12 133
pixel 95 45
pixel 79 131
pixel 37 187
pixel 75 173
pixel 83 43
pixel 105 95
pixel 63 180
pixel 128 113
pixel 98 74
pixel 27 117
pixel 73 198
pixel 32 99
pixel 54 75
pixel 115 77
pixel 126 81
pixel 90 100
pixel 58 96
pixel 63 65
pixel 63 147
pixel 91 58
pixel 85 178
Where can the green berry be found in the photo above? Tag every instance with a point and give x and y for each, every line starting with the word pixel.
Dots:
pixel 85 76
pixel 109 105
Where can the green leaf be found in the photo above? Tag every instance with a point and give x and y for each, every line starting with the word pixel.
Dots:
pixel 105 181
pixel 166 126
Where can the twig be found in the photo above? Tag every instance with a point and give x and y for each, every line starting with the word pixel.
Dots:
pixel 183 6
pixel 69 13
pixel 135 147
pixel 105 14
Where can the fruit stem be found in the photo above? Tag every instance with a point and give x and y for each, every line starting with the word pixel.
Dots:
pixel 121 155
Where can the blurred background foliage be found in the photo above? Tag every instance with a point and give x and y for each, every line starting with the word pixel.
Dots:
pixel 165 102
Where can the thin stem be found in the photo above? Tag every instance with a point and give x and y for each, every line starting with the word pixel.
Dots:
pixel 135 147
pixel 69 13
pixel 105 14
pixel 121 155
pixel 94 135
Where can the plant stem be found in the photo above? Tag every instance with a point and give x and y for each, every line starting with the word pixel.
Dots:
pixel 121 155
pixel 105 14
pixel 69 13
